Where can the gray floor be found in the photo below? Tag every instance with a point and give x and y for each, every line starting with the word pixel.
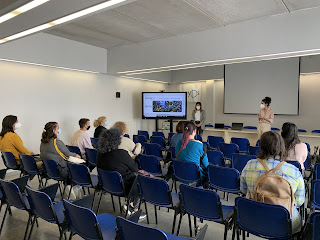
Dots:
pixel 15 225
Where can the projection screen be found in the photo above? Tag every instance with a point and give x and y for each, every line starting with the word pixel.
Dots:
pixel 246 84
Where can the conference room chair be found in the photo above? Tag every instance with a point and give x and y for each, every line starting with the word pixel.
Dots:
pixel 215 157
pixel 173 153
pixel 2 176
pixel 139 139
pixel 239 161
pixel 10 161
pixel 258 218
pixel 302 130
pixel 144 133
pixel 152 165
pixel 42 206
pixel 224 179
pixel 14 196
pixel 30 167
pixel 316 195
pixel 91 156
pixel 157 192
pixel 254 150
pixel 258 143
pixel 170 134
pixel 127 230
pixel 228 149
pixel 153 149
pixel 126 135
pixel 250 127
pixel 313 226
pixel 159 134
pixel 315 131
pixel 85 223
pixel 206 205
pixel 295 163
pixel 50 168
pixel 308 146
pixel 74 149
pixel 209 125
pixel 275 129
pixel 227 126
pixel 198 137
pixel 159 140
pixel 94 142
pixel 307 163
pixel 243 144
pixel 214 141
pixel 316 171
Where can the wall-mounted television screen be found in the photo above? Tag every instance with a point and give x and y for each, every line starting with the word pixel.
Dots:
pixel 164 105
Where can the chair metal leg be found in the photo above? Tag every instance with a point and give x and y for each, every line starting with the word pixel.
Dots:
pixel 120 204
pixel 155 213
pixel 4 217
pixel 178 230
pixel 32 225
pixel 175 186
pixel 225 231
pixel 69 192
pixel 174 220
pixel 27 228
pixel 195 225
pixel 70 236
pixel 114 209
pixel 45 183
pixel 145 205
pixel 99 202
pixel 59 190
pixel 128 202
pixel 238 232
pixel 243 235
pixel 190 227
pixel 233 231
pixel 84 192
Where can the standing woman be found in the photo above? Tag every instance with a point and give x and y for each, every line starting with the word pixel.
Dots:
pixel 198 117
pixel 265 116
pixel 100 124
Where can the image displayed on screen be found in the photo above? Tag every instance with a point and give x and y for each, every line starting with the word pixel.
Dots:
pixel 164 105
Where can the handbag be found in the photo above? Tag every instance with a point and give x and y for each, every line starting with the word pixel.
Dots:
pixel 71 158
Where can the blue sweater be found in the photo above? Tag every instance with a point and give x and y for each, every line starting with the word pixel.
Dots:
pixel 175 139
pixel 193 153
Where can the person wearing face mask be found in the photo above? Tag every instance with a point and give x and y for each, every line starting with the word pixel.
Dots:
pixel 80 138
pixel 9 140
pixel 265 116
pixel 100 124
pixel 198 117
pixel 51 148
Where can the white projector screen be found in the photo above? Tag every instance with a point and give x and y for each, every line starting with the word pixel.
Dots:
pixel 246 84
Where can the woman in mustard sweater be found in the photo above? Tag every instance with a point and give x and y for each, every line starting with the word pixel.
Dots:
pixel 9 140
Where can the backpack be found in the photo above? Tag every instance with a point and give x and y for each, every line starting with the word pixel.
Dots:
pixel 274 188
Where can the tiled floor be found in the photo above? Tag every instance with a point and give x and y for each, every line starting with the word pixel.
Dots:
pixel 15 225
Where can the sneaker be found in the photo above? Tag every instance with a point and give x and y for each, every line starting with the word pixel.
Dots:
pixel 142 216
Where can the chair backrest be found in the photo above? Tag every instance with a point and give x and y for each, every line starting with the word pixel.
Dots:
pixel 128 230
pixel 307 163
pixel 243 143
pixel 111 182
pixel 126 135
pixel 150 163
pixel 144 133
pixel 79 174
pixel 249 217
pixel 308 146
pixel 302 130
pixel 170 134
pixel 250 127
pixel 214 141
pixel 228 149
pixel 12 194
pixel 184 171
pixel 275 129
pixel 159 134
pixel 295 163
pixel 139 139
pixel 254 150
pixel 29 164
pixel 315 221
pixel 316 193
pixel 198 137
pixel 82 221
pixel 51 169
pixel 155 191
pixel 94 142
pixel 258 143
pixel 173 152
pixel 209 125
pixel 159 140
pixel 239 161
pixel 9 160
pixel 41 204
pixel 215 157
pixel 224 178
pixel 201 203
pixel 74 149
pixel 315 131
pixel 316 170
pixel 91 155
pixel 153 149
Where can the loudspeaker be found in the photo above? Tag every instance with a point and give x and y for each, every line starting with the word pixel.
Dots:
pixel 117 94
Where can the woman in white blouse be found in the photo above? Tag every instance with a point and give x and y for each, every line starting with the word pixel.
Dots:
pixel 198 117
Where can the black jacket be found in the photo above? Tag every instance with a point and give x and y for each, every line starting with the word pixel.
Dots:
pixel 98 131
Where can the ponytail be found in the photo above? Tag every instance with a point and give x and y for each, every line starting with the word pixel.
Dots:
pixel 189 127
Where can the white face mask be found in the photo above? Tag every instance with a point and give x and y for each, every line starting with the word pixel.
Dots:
pixel 18 125
pixel 262 106
pixel 198 107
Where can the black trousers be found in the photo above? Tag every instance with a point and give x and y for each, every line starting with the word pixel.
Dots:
pixel 199 130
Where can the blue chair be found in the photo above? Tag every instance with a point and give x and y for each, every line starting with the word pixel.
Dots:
pixel 250 127
pixel 258 143
pixel 254 150
pixel 91 156
pixel 295 163
pixel 228 149
pixel 139 139
pixel 308 146
pixel 153 149
pixel 30 167
pixel 2 199
pixel 316 194
pixel 198 137
pixel 74 149
pixel 159 140
pixel 173 153
pixel 275 129
pixel 144 133
pixel 132 231
pixel 14 197
pixel 80 175
pixel 214 141
pixel 50 168
pixel 10 161
pixel 204 204
pixel 316 170
pixel 315 225
pixel 215 157
pixel 224 179
pixel 159 134
pixel 209 125
pixel 315 131
pixel 152 165
pixel 157 192
pixel 94 142
pixel 239 161
pixel 127 135
pixel 227 126
pixel 307 163
pixel 170 134
pixel 243 144
pixel 259 219
pixel 41 204
pixel 186 172
pixel 302 130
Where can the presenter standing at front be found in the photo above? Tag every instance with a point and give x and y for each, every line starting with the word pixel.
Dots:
pixel 198 117
pixel 265 116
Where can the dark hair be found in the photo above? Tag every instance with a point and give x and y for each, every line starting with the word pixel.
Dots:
pixel 109 140
pixel 180 127
pixel 7 124
pixel 290 135
pixel 189 127
pixel 48 133
pixel 267 100
pixel 195 106
pixel 272 146
pixel 83 122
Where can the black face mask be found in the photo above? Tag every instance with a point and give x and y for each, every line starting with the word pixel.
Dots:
pixel 88 127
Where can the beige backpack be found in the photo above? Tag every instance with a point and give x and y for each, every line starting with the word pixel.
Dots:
pixel 274 188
